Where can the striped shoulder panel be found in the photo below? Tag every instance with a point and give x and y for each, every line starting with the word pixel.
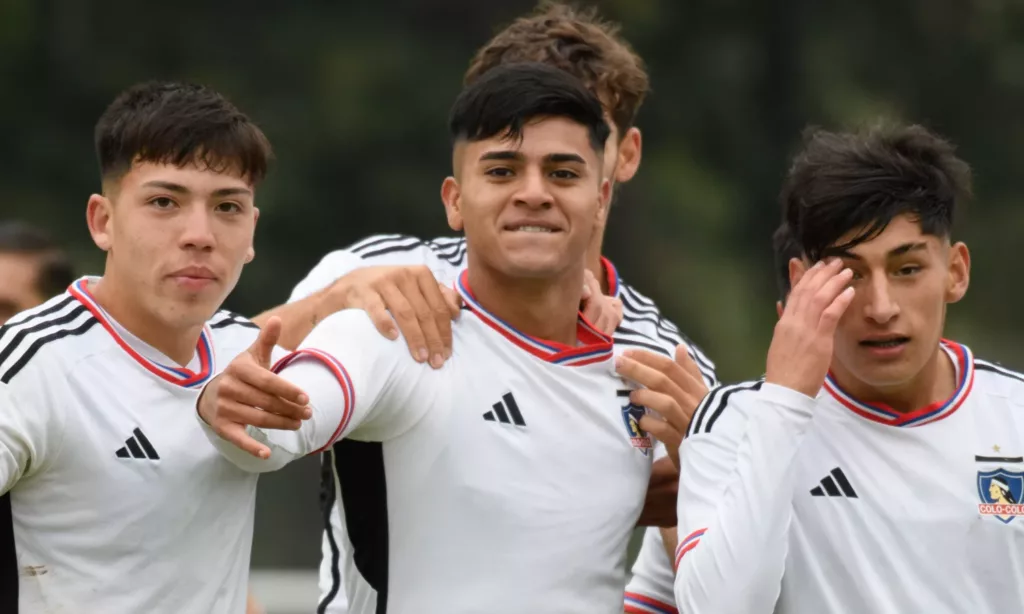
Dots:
pixel 714 403
pixel 998 369
pixel 450 249
pixel 637 309
pixel 630 337
pixel 369 242
pixel 21 338
pixel 225 318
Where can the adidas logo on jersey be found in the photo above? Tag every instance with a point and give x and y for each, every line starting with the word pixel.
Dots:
pixel 834 485
pixel 499 413
pixel 137 446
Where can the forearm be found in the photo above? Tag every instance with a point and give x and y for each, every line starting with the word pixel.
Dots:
pixel 670 539
pixel 731 560
pixel 662 492
pixel 328 401
pixel 300 317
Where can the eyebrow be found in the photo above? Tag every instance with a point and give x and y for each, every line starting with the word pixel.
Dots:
pixel 515 155
pixel 902 250
pixel 180 189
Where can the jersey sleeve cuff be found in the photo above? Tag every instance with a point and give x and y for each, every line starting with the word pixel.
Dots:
pixel 786 398
pixel 340 374
pixel 635 603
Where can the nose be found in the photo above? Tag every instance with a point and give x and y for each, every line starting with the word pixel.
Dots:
pixel 881 306
pixel 533 190
pixel 197 233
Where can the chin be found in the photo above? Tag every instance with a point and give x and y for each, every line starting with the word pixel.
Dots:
pixel 186 314
pixel 883 376
pixel 532 269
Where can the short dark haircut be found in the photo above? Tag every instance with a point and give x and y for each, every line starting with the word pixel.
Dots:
pixel 784 249
pixel 55 271
pixel 179 123
pixel 843 182
pixel 507 97
pixel 580 42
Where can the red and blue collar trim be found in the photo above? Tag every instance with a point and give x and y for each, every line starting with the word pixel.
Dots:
pixel 175 375
pixel 595 345
pixel 612 276
pixel 884 414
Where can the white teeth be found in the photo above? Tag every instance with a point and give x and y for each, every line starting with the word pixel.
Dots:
pixel 532 229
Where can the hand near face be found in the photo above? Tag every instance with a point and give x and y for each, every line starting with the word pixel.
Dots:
pixel 801 349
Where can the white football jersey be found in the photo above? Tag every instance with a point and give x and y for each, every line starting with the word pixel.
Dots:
pixel 649 590
pixel 509 480
pixel 446 259
pixel 114 500
pixel 833 505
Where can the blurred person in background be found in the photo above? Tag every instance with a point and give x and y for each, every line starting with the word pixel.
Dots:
pixel 33 268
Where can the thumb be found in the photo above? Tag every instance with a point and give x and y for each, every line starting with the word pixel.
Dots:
pixel 591 287
pixel 263 348
pixel 452 300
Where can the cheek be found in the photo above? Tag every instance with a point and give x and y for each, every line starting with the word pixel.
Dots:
pixel 928 302
pixel 483 203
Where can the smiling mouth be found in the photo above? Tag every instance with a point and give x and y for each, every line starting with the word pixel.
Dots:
pixel 889 342
pixel 532 229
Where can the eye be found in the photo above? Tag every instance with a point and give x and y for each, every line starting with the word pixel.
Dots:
pixel 564 173
pixel 162 202
pixel 229 207
pixel 856 275
pixel 907 270
pixel 499 171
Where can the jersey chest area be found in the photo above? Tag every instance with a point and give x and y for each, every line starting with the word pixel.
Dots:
pixel 131 450
pixel 549 441
pixel 936 504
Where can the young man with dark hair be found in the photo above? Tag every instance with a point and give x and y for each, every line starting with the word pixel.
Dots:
pixel 856 477
pixel 395 278
pixel 114 501
pixel 33 268
pixel 486 484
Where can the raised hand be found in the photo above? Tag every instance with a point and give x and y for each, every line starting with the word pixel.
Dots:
pixel 406 299
pixel 604 312
pixel 672 388
pixel 801 348
pixel 249 393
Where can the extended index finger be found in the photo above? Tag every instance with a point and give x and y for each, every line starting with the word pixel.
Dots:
pixel 270 383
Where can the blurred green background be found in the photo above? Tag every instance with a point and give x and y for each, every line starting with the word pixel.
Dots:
pixel 354 97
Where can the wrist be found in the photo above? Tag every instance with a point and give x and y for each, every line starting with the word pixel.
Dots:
pixel 334 297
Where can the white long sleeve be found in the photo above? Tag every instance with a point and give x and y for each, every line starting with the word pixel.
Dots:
pixel 735 498
pixel 31 427
pixel 360 385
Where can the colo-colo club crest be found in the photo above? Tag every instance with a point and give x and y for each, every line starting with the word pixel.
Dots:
pixel 631 414
pixel 1000 493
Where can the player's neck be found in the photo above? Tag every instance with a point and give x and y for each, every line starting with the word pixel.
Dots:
pixel 543 308
pixel 594 260
pixel 176 343
pixel 935 383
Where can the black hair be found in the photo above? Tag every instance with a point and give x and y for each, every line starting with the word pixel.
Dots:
pixel 55 272
pixel 508 96
pixel 858 182
pixel 179 123
pixel 784 249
